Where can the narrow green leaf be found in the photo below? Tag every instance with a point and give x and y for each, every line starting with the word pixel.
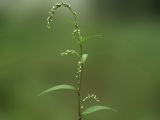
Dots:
pixel 84 39
pixel 58 87
pixel 84 57
pixel 95 109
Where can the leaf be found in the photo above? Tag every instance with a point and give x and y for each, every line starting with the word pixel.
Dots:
pixel 58 87
pixel 95 109
pixel 84 57
pixel 84 39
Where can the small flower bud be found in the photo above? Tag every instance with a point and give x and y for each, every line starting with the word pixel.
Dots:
pixel 74 13
pixel 58 5
pixel 53 8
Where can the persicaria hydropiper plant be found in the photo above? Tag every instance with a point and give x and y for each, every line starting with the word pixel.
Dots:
pixel 81 61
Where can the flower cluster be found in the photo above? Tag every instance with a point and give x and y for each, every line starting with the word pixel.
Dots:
pixel 79 71
pixel 91 96
pixel 54 8
pixel 75 32
pixel 69 52
pixel 52 12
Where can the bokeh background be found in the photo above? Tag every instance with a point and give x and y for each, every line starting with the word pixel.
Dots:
pixel 122 69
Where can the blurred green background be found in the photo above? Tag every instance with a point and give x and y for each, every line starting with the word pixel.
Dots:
pixel 122 69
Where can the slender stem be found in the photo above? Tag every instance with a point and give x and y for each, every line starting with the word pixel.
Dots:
pixel 80 78
pixel 81 68
pixel 80 83
pixel 79 105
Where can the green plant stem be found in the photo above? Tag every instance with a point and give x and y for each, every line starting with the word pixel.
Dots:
pixel 79 105
pixel 80 83
pixel 80 78
pixel 81 66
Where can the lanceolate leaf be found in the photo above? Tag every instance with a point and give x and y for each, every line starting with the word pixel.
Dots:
pixel 58 87
pixel 84 39
pixel 84 57
pixel 95 109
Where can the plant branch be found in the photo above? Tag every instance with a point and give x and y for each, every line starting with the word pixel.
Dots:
pixel 80 62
